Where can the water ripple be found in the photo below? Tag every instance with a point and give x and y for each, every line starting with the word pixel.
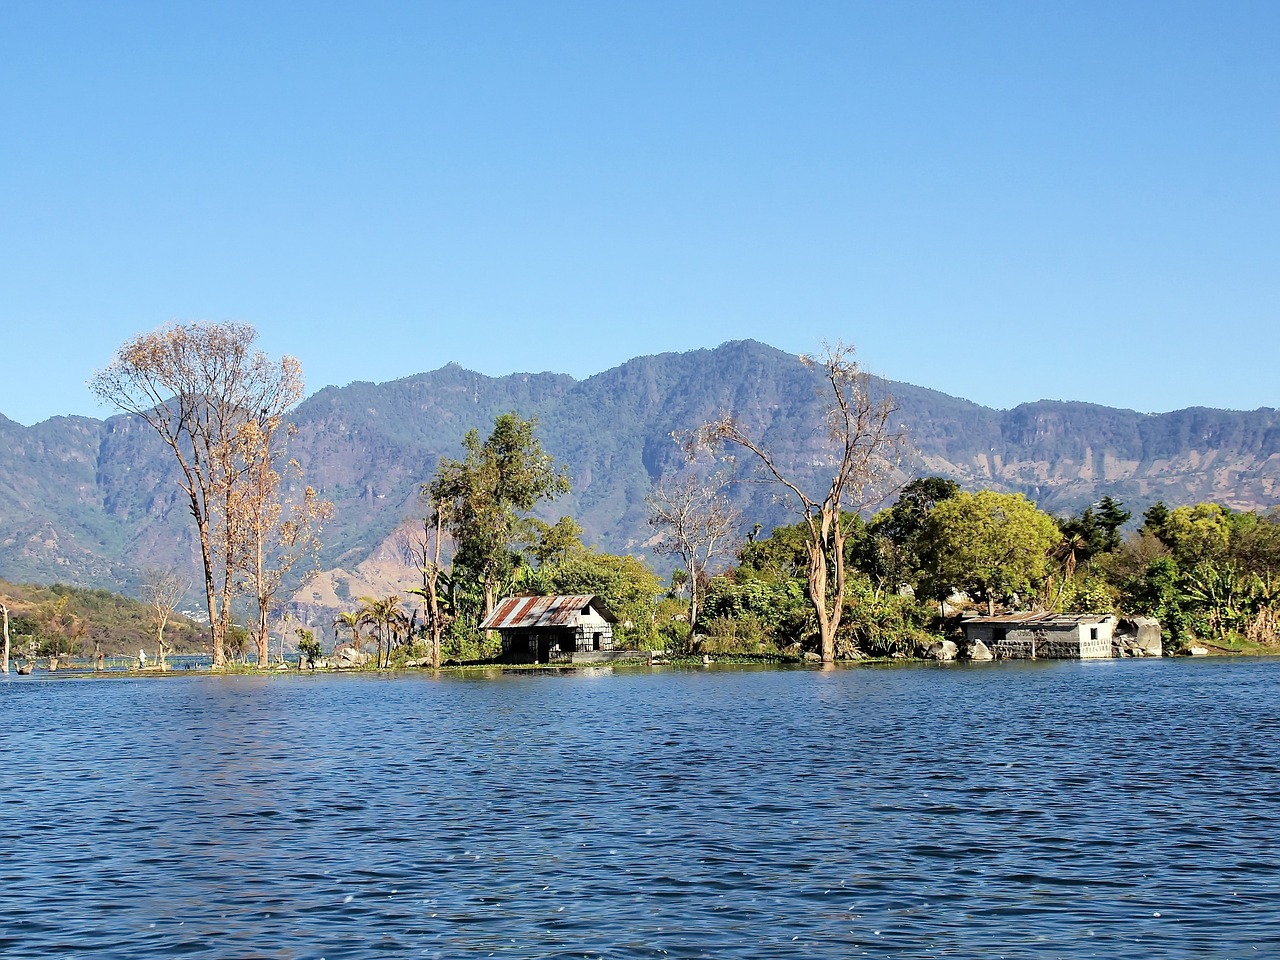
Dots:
pixel 1119 810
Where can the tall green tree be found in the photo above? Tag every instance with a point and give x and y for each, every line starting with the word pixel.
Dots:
pixel 1111 517
pixel 486 496
pixel 890 551
pixel 990 545
pixel 553 543
pixel 1198 534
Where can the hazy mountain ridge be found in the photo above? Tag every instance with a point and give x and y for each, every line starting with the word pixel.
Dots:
pixel 92 502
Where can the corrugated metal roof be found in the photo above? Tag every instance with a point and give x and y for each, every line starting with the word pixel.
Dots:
pixel 1043 619
pixel 528 612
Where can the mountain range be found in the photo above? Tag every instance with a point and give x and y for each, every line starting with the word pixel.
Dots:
pixel 92 502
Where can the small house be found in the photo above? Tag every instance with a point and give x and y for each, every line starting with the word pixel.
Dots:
pixel 552 629
pixel 1044 636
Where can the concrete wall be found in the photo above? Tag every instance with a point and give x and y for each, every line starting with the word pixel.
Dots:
pixel 1083 641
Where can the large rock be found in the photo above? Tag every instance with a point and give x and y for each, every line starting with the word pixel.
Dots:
pixel 943 650
pixel 980 651
pixel 348 656
pixel 1137 637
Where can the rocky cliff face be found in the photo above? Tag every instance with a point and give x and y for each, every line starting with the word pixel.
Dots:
pixel 1066 455
pixel 93 502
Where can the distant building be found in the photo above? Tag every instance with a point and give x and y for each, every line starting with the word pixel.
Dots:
pixel 1045 636
pixel 552 629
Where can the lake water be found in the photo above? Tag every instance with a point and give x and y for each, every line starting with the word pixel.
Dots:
pixel 1105 809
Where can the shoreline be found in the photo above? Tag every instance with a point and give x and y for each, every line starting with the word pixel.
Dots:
pixel 544 669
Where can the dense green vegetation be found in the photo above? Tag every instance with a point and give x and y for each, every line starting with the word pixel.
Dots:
pixel 1209 574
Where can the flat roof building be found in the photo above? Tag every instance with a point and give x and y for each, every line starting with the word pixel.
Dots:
pixel 1045 636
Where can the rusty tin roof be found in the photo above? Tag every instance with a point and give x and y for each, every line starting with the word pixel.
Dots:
pixel 531 612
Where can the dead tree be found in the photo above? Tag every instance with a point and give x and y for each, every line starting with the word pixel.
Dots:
pixel 696 522
pixel 162 591
pixel 196 385
pixel 862 450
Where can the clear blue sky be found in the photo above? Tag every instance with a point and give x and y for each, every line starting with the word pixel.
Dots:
pixel 1004 201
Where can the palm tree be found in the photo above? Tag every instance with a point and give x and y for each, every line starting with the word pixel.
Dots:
pixel 1067 553
pixel 401 630
pixel 383 614
pixel 351 620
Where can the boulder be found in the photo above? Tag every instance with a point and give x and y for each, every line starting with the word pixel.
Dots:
pixel 980 651
pixel 348 656
pixel 1137 637
pixel 943 650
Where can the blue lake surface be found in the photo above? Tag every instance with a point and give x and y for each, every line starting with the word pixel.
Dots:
pixel 1106 809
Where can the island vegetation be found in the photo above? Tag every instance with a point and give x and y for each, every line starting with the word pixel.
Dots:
pixel 874 564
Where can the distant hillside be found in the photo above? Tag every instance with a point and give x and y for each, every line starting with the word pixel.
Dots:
pixel 91 502
pixel 79 617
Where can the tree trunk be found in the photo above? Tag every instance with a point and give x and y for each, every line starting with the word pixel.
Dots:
pixel 433 601
pixel 693 602
pixel 217 634
pixel 263 639
pixel 4 664
pixel 817 589
pixel 490 598
pixel 432 583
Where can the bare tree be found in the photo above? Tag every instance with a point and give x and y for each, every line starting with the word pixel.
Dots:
pixel 421 549
pixel 162 591
pixel 275 533
pixel 197 385
pixel 863 448
pixel 4 664
pixel 695 522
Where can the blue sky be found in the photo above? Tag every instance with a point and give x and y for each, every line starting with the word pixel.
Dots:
pixel 1003 201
